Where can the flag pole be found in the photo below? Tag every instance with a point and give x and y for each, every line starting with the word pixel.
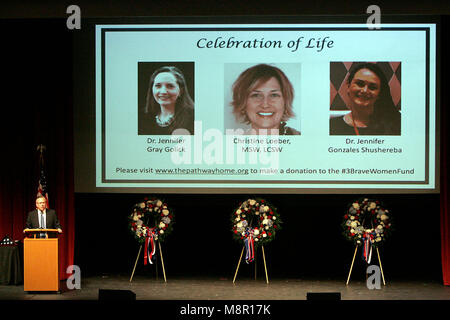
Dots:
pixel 42 186
pixel 41 148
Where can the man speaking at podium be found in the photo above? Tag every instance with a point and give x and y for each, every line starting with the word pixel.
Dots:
pixel 43 218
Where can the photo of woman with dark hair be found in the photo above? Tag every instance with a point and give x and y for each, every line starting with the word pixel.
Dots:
pixel 169 106
pixel 372 111
pixel 262 97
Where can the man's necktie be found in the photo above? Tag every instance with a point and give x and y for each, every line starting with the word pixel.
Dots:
pixel 42 235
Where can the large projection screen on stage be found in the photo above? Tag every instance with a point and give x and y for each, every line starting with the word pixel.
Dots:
pixel 307 81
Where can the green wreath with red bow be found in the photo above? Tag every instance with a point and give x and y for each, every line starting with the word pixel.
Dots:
pixel 366 221
pixel 255 222
pixel 153 215
pixel 151 220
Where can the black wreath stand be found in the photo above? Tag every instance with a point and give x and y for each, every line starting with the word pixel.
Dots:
pixel 353 260
pixel 162 262
pixel 264 259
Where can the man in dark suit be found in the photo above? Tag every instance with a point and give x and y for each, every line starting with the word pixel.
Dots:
pixel 43 218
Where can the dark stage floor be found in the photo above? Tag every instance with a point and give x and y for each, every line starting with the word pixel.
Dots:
pixel 148 288
pixel 219 298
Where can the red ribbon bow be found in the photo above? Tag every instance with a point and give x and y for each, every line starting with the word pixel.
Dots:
pixel 149 244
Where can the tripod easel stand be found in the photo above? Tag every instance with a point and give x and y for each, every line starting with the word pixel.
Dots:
pixel 239 263
pixel 353 260
pixel 162 262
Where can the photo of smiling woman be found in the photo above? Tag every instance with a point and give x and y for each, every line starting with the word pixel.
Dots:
pixel 262 97
pixel 369 99
pixel 169 108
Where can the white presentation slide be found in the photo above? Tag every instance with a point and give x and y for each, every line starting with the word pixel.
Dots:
pixel 280 107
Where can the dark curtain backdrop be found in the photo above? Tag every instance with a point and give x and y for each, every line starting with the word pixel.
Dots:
pixel 37 109
pixel 445 215
pixel 445 193
pixel 37 84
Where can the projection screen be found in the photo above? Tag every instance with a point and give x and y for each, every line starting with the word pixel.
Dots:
pixel 274 108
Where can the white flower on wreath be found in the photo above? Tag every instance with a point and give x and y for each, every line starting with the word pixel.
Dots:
pixel 161 231
pixel 162 225
pixel 238 211
pixel 166 220
pixel 352 217
pixel 356 205
pixel 372 205
pixel 265 221
pixel 274 218
pixel 165 212
pixel 256 232
pixel 158 203
pixel 142 205
pixel 239 224
pixel 383 217
pixel 354 224
pixel 264 235
pixel 252 202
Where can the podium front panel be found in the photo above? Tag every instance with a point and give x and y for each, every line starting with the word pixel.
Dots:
pixel 41 270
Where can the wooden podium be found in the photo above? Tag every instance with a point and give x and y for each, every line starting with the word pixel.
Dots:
pixel 41 263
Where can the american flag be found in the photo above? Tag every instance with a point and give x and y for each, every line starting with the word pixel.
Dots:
pixel 42 186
